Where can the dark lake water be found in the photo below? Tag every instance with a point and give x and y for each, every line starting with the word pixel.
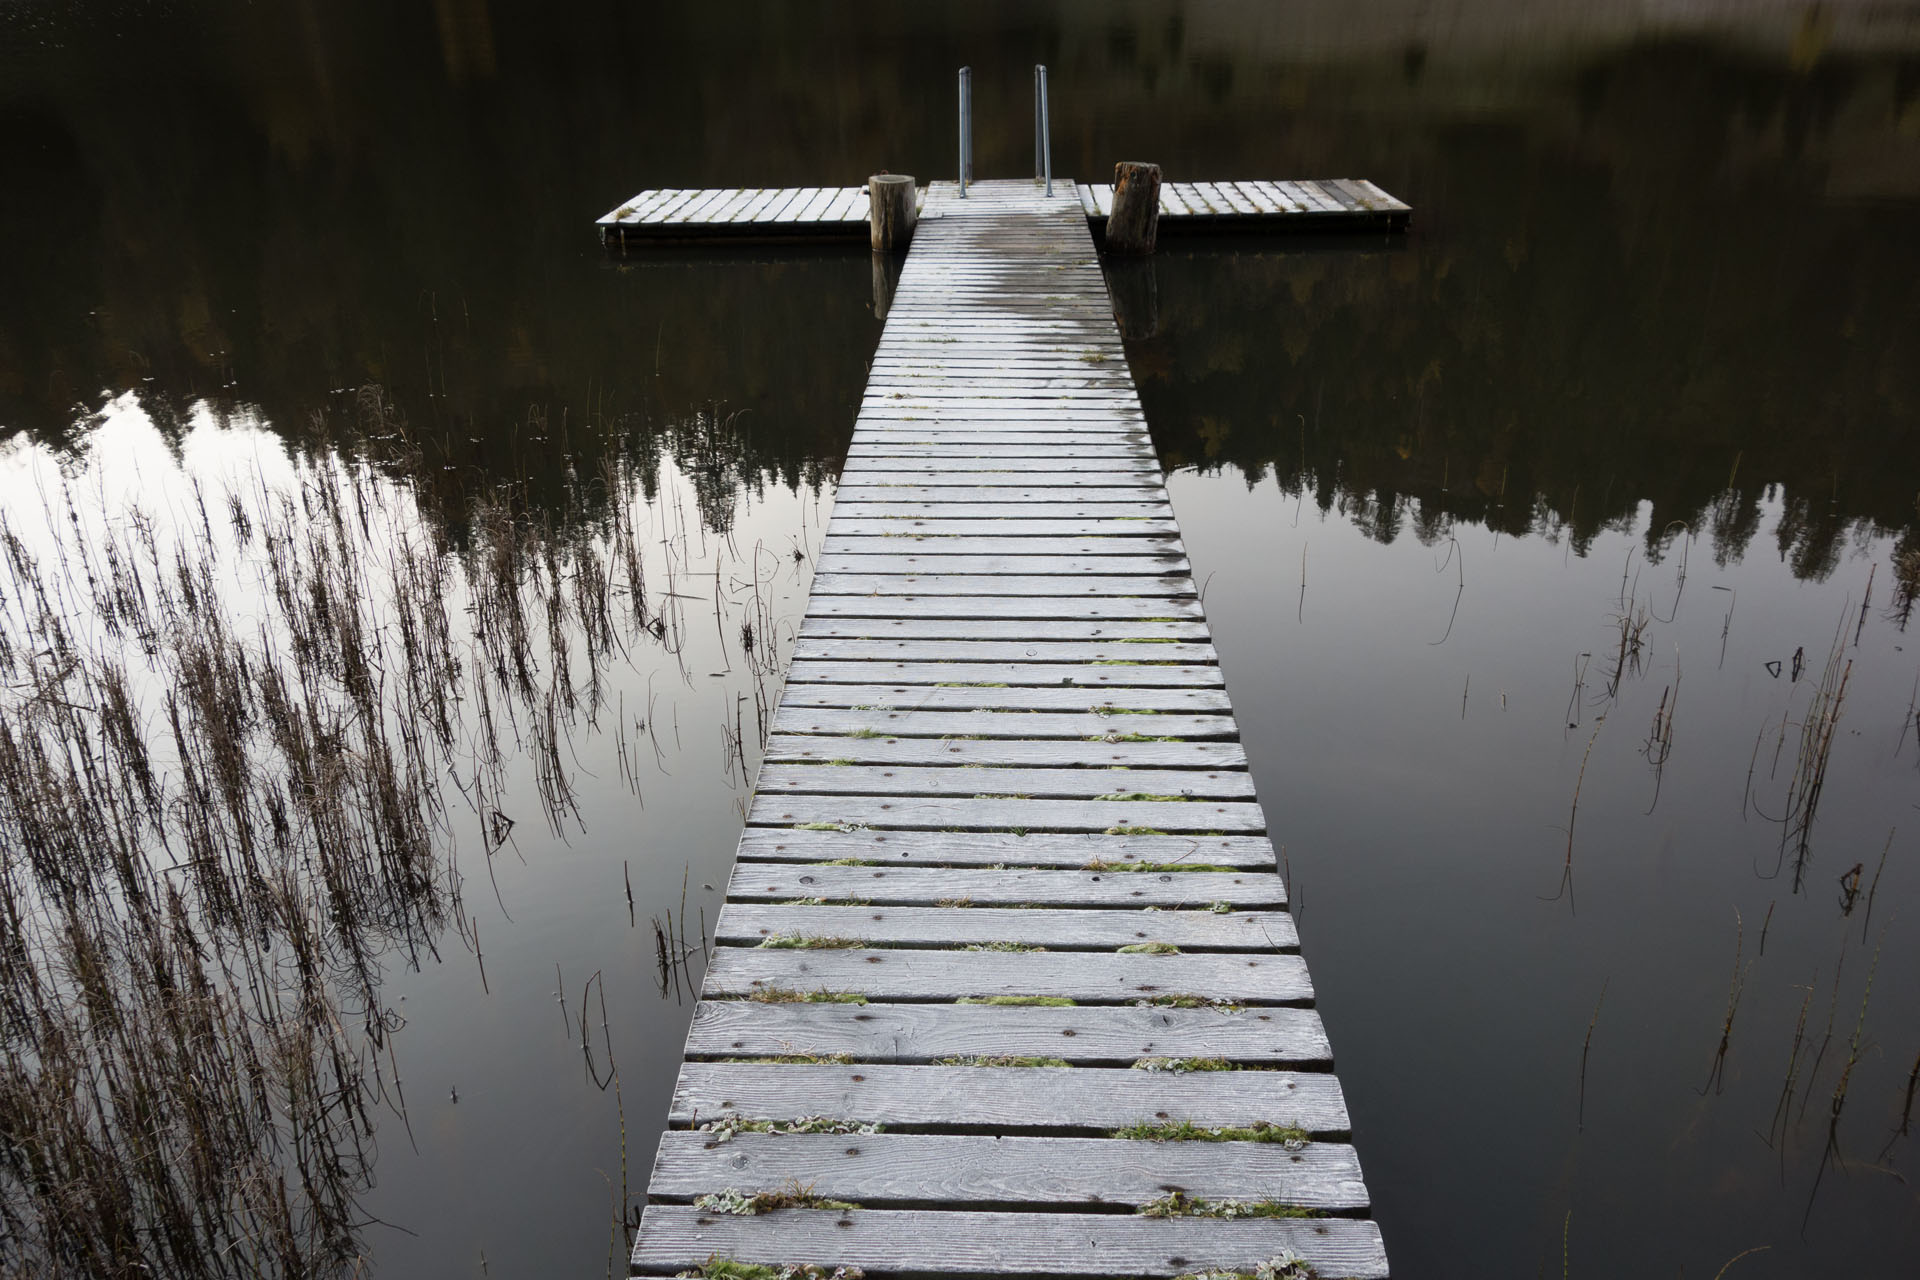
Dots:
pixel 1582 700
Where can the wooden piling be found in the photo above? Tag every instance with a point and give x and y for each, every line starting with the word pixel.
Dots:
pixel 891 210
pixel 1135 221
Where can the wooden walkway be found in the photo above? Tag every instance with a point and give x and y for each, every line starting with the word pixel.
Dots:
pixel 1005 961
pixel 1349 204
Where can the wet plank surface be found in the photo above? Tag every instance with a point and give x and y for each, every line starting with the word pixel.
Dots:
pixel 1005 943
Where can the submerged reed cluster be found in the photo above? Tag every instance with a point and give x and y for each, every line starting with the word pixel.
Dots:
pixel 237 742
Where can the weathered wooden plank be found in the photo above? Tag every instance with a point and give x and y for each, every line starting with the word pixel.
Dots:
pixel 847 522
pixel 987 887
pixel 1001 1099
pixel 825 649
pixel 1085 1035
pixel 1110 703
pixel 1038 783
pixel 1056 1246
pixel 988 541
pixel 1076 726
pixel 1055 929
pixel 1006 584
pixel 933 605
pixel 1114 674
pixel 944 813
pixel 817 206
pixel 724 205
pixel 1105 757
pixel 677 201
pixel 1002 848
pixel 1236 199
pixel 638 208
pixel 888 1170
pixel 1381 198
pixel 697 201
pixel 897 450
pixel 1029 483
pixel 1320 199
pixel 802 198
pixel 916 563
pixel 1279 200
pixel 1090 978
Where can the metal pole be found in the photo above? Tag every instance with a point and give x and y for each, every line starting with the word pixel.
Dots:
pixel 1039 146
pixel 1046 132
pixel 966 128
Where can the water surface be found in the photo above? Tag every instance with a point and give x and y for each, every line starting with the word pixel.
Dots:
pixel 1648 355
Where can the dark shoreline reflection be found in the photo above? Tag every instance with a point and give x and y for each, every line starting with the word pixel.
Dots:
pixel 1643 272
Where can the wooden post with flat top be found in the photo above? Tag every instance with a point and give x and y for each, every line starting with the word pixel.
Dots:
pixel 891 214
pixel 1135 220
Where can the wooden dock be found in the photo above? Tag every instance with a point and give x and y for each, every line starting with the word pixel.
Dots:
pixel 1340 204
pixel 1005 960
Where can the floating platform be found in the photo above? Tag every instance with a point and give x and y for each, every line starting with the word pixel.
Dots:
pixel 776 213
pixel 1005 983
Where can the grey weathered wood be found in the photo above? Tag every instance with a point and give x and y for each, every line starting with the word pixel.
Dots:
pixel 1027 480
pixel 949 756
pixel 1112 559
pixel 848 523
pixel 1102 756
pixel 986 887
pixel 1008 584
pixel 888 1170
pixel 1056 1246
pixel 1085 1035
pixel 998 848
pixel 852 779
pixel 1078 727
pixel 947 976
pixel 1008 1098
pixel 1064 929
pixel 818 649
pixel 891 210
pixel 931 550
pixel 933 604
pixel 1114 703
pixel 1121 674
pixel 941 813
